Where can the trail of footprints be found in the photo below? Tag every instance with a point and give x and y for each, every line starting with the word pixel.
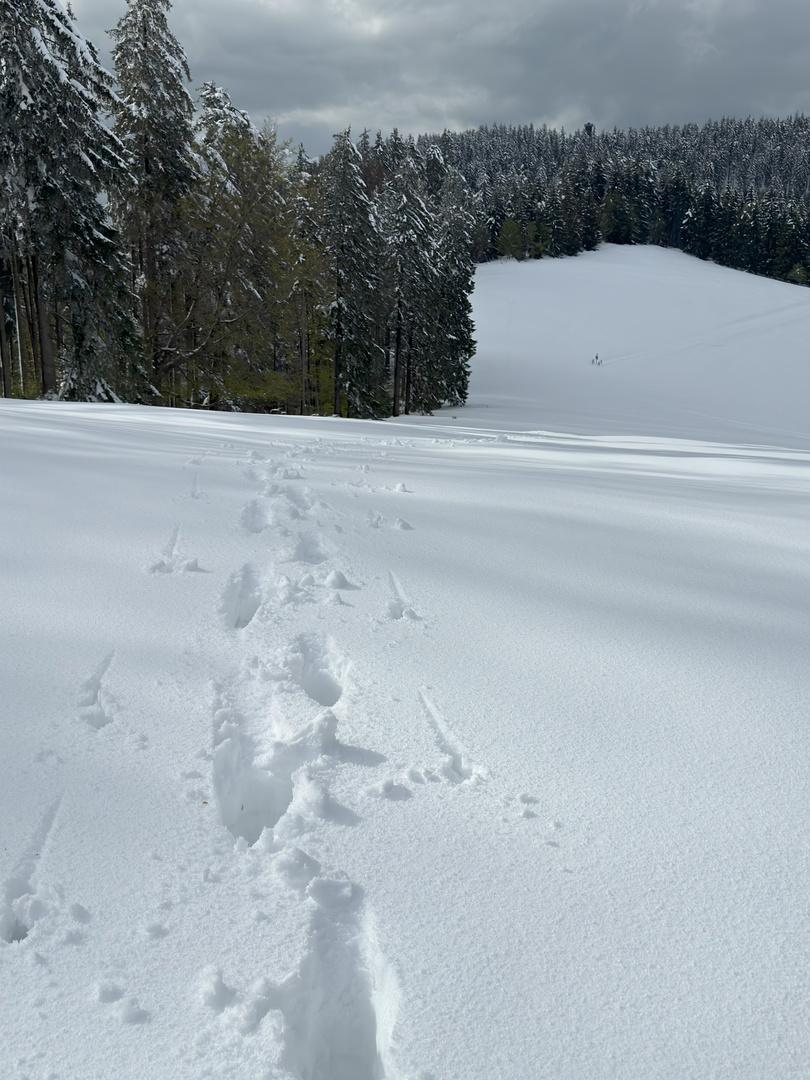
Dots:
pixel 275 748
pixel 276 745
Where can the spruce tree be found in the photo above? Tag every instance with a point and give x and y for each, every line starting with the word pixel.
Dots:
pixel 347 232
pixel 453 340
pixel 153 119
pixel 408 229
pixel 510 242
pixel 58 160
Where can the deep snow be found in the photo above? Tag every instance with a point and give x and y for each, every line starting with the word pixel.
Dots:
pixel 462 748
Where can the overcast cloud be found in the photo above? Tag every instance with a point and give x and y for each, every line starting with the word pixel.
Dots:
pixel 317 66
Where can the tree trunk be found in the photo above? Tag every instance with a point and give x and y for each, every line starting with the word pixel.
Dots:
pixel 32 312
pixel 304 356
pixel 409 374
pixel 318 398
pixel 5 351
pixel 397 360
pixel 338 361
pixel 149 315
pixel 45 342
pixel 18 298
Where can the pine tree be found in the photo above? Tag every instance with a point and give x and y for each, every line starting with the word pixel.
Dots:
pixel 308 294
pixel 452 339
pixel 58 252
pixel 510 242
pixel 153 118
pixel 347 231
pixel 408 229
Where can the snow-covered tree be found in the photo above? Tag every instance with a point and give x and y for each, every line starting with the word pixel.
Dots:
pixel 238 249
pixel 348 226
pixel 61 273
pixel 408 229
pixel 154 121
pixel 452 344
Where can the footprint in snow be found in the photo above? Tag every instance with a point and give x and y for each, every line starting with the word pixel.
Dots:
pixel 23 899
pixel 255 517
pixel 242 597
pixel 399 606
pixel 308 548
pixel 318 667
pixel 389 789
pixel 130 1012
pixel 109 992
pixel 172 560
pixel 254 795
pixel 458 767
pixel 334 1016
pixel 97 706
pixel 196 492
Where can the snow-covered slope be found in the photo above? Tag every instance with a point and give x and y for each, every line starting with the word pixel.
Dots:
pixel 688 348
pixel 441 748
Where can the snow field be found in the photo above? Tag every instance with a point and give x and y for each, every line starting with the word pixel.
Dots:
pixel 687 349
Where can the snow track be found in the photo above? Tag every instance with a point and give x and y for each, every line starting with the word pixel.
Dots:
pixel 275 753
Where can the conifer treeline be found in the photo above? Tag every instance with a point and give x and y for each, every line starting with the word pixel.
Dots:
pixel 180 256
pixel 737 192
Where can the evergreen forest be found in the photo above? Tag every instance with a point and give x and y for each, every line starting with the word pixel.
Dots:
pixel 733 191
pixel 161 249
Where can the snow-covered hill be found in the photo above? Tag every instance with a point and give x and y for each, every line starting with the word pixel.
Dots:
pixel 688 349
pixel 458 748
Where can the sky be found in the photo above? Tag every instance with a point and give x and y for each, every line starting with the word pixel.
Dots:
pixel 318 66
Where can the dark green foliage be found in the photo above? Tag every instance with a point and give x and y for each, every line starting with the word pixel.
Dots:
pixel 510 242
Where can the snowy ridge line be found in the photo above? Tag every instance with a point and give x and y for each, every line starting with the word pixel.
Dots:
pixel 648 444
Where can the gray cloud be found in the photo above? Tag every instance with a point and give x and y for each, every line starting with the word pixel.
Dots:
pixel 317 66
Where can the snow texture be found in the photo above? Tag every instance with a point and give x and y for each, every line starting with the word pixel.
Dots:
pixel 513 783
